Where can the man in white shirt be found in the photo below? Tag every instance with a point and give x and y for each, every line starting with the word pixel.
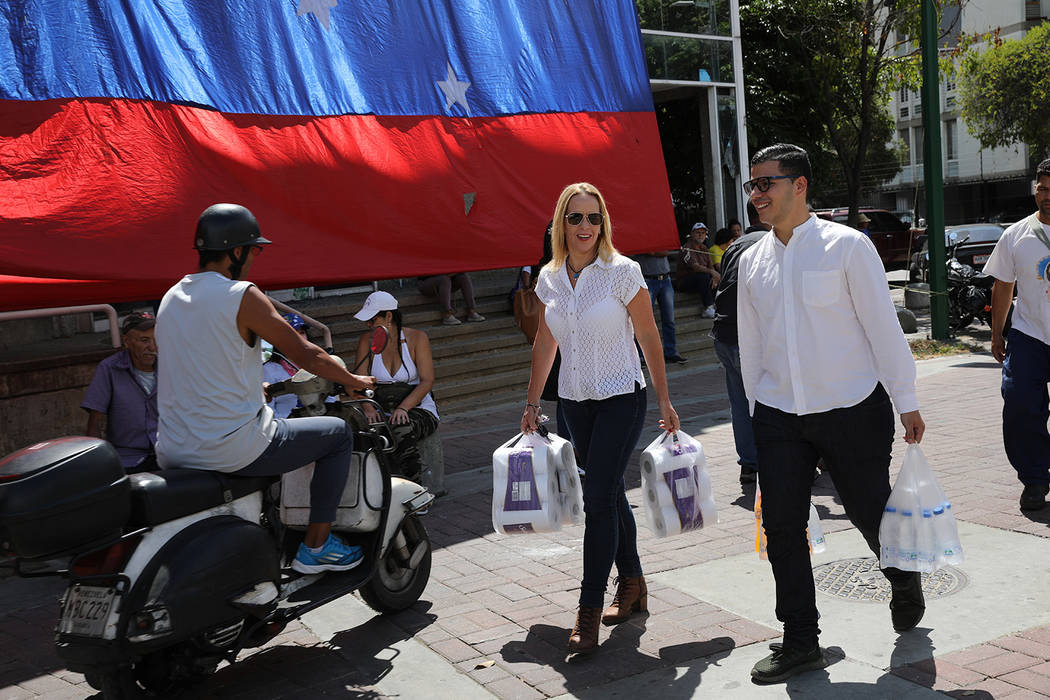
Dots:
pixel 820 347
pixel 1022 257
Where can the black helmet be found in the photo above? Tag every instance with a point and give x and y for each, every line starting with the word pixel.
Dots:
pixel 225 227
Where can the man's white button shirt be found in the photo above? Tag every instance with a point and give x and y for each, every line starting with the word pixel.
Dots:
pixel 818 329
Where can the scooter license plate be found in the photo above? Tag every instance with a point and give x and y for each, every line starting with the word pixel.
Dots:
pixel 978 259
pixel 86 610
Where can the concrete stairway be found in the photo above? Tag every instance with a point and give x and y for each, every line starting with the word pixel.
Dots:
pixel 481 365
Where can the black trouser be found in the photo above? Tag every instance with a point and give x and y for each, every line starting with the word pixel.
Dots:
pixel 407 460
pixel 855 443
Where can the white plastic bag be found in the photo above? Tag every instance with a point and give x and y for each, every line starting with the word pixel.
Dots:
pixel 814 530
pixel 918 530
pixel 676 485
pixel 535 485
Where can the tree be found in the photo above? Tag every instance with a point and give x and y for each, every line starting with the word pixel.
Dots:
pixel 1004 91
pixel 820 73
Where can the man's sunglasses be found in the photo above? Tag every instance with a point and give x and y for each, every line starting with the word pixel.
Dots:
pixel 762 184
pixel 576 218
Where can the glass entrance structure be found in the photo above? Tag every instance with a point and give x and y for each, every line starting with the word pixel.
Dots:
pixel 693 52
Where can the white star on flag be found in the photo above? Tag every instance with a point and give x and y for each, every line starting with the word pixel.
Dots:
pixel 318 7
pixel 455 89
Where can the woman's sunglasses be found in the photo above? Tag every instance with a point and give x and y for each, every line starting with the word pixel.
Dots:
pixel 576 218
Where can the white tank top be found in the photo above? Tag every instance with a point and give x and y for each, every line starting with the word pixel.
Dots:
pixel 406 373
pixel 209 386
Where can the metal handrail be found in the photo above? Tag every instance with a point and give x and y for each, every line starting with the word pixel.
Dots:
pixel 111 314
pixel 312 322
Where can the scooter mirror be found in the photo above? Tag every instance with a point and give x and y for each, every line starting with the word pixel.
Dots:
pixel 379 339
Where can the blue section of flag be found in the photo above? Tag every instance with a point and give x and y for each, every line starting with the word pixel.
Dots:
pixel 375 56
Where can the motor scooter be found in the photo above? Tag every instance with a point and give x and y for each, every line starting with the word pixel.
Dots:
pixel 172 572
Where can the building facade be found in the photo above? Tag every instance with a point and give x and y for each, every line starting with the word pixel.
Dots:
pixel 979 184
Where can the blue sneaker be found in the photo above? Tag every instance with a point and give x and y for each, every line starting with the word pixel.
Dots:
pixel 335 555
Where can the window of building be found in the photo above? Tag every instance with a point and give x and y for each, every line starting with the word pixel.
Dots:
pixel 917 142
pixel 951 139
pixel 904 135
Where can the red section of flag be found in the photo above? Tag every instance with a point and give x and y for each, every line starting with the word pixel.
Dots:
pixel 99 198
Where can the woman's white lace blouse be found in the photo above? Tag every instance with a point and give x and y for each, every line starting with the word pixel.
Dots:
pixel 591 325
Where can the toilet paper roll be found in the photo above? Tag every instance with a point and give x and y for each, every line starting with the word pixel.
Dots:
pixel 524 490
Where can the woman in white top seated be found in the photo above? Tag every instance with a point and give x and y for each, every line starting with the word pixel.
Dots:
pixel 595 305
pixel 404 373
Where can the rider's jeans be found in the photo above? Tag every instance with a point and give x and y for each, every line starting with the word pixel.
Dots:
pixel 326 440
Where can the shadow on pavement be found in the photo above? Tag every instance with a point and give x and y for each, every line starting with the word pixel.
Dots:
pixel 617 657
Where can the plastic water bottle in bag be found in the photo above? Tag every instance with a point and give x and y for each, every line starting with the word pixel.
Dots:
pixel 815 531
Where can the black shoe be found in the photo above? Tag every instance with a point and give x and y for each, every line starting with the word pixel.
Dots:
pixel 748 475
pixel 785 663
pixel 677 359
pixel 1034 496
pixel 906 604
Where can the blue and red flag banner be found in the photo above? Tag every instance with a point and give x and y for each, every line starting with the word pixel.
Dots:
pixel 372 139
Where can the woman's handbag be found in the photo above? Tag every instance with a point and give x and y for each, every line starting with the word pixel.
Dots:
pixel 389 395
pixel 527 310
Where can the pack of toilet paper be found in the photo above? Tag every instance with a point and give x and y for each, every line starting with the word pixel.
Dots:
pixel 535 485
pixel 676 486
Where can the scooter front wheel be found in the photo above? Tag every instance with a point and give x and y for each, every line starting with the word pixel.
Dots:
pixel 397 584
pixel 120 684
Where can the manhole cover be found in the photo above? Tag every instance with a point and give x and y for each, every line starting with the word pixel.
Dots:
pixel 860 579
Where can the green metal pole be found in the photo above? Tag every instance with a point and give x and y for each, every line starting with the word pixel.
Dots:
pixel 931 126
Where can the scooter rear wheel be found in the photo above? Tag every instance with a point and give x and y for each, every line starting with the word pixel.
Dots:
pixel 395 587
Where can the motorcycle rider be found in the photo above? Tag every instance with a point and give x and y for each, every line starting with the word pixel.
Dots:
pixel 213 414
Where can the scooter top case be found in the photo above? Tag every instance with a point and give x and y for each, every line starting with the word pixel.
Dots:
pixel 61 496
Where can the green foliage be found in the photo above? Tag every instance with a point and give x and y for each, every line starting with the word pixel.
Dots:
pixel 820 73
pixel 1005 91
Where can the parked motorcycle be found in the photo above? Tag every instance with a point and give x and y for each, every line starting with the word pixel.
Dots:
pixel 174 571
pixel 969 293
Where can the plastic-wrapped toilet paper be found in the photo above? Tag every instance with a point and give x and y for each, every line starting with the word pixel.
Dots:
pixel 676 485
pixel 569 486
pixel 525 493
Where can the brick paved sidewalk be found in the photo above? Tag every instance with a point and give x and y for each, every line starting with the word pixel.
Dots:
pixel 499 608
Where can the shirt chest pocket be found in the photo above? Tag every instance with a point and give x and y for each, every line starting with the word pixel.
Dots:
pixel 821 288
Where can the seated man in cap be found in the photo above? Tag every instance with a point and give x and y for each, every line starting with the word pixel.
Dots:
pixel 696 273
pixel 122 396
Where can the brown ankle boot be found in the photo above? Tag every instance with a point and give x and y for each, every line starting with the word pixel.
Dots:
pixel 584 637
pixel 631 596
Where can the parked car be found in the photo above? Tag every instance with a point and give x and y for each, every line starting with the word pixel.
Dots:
pixel 980 239
pixel 892 237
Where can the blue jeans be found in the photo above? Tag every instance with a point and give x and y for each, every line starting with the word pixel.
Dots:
pixel 326 440
pixel 662 292
pixel 604 434
pixel 855 443
pixel 1026 407
pixel 743 435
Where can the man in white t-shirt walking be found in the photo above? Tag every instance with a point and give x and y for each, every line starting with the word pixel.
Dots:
pixel 1022 258
pixel 821 355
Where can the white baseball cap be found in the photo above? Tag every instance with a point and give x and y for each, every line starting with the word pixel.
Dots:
pixel 698 225
pixel 376 303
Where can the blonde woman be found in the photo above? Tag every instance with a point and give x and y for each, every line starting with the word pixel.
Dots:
pixel 595 306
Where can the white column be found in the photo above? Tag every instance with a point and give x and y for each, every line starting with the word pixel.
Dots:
pixel 741 126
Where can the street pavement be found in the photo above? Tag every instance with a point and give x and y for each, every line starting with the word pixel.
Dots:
pixel 496 615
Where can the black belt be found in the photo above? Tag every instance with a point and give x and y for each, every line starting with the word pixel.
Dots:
pixel 656 277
